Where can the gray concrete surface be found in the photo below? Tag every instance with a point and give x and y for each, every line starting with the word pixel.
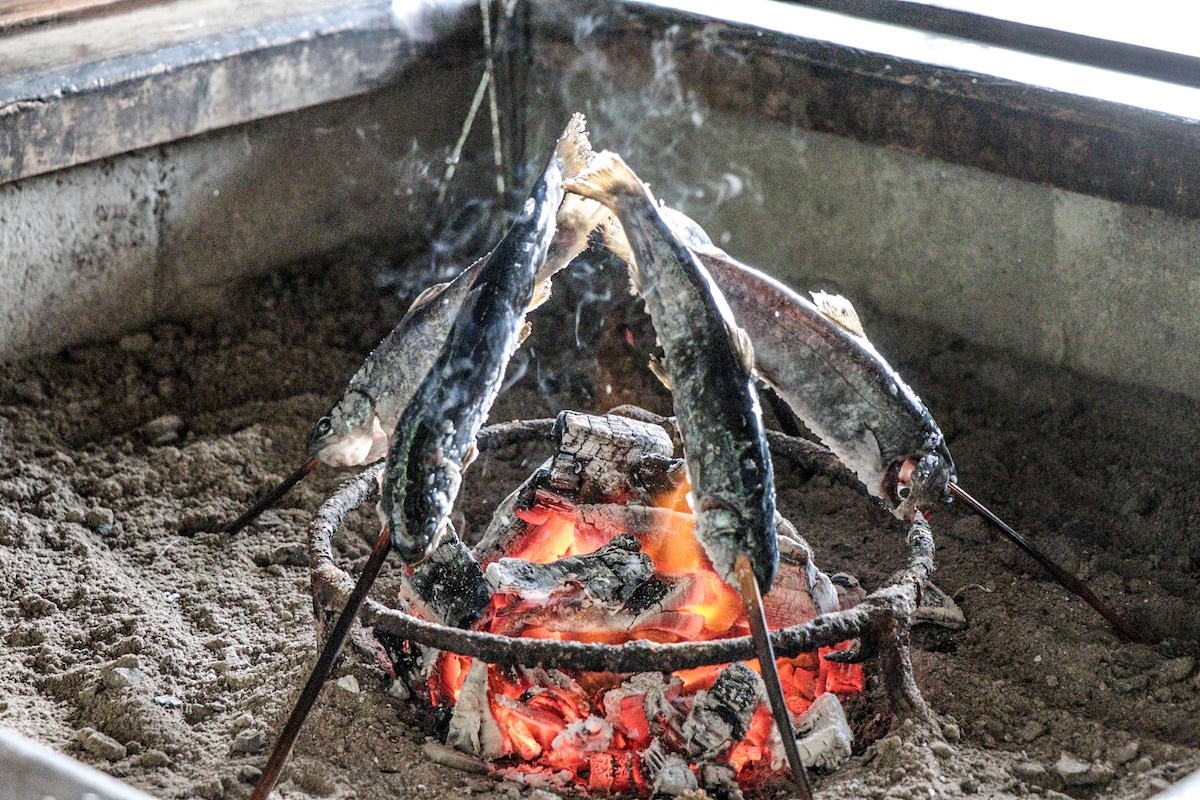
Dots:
pixel 108 247
pixel 30 770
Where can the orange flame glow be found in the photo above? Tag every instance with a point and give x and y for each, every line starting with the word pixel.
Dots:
pixel 542 724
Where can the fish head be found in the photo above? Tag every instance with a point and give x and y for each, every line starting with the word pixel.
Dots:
pixel 915 484
pixel 415 503
pixel 347 434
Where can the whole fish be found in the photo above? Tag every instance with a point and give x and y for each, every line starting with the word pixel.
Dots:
pixel 815 355
pixel 708 364
pixel 817 358
pixel 435 437
pixel 358 426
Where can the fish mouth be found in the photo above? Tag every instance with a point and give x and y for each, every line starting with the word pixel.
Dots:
pixel 913 486
pixel 348 451
pixel 355 448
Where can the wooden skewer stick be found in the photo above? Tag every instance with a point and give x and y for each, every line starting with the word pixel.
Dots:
pixel 752 599
pixel 272 497
pixel 1065 579
pixel 320 671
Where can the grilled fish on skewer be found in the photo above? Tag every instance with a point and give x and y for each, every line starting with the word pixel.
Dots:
pixel 708 364
pixel 436 434
pixel 435 439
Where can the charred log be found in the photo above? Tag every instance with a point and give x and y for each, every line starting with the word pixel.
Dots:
pixel 720 717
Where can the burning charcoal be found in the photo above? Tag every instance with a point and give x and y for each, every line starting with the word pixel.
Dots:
pixel 639 708
pixel 595 456
pixel 507 526
pixel 448 587
pixel 642 521
pixel 721 716
pixel 653 594
pixel 573 746
pixel 801 591
pixel 825 735
pixel 473 729
pixel 668 772
pixel 614 772
pixel 611 573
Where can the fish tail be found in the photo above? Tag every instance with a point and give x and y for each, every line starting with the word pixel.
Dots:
pixel 541 293
pixel 574 149
pixel 613 237
pixel 577 218
pixel 607 177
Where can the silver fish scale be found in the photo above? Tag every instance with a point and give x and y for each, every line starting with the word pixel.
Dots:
pixel 439 426
pixel 715 403
pixel 839 386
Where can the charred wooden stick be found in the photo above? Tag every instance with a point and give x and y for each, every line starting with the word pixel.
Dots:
pixel 331 585
pixel 271 497
pixel 320 671
pixel 1064 578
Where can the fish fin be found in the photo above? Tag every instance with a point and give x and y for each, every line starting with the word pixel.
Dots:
pixel 573 148
pixel 577 218
pixel 523 334
pixel 471 454
pixel 541 293
pixel 607 177
pixel 613 236
pixel 427 296
pixel 660 372
pixel 743 346
pixel 838 309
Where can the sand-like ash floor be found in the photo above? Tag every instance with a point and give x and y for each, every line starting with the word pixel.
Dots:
pixel 140 642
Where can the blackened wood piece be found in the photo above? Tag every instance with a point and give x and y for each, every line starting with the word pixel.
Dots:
pixel 610 574
pixel 596 457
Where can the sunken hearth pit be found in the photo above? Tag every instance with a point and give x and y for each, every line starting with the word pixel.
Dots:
pixel 596 548
pixel 140 641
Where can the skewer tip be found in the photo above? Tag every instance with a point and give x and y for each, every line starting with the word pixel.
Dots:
pixel 752 598
pixel 1065 579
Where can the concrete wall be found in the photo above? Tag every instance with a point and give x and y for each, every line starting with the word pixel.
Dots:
pixel 104 248
pixel 1103 287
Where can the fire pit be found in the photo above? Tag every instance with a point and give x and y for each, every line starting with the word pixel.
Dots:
pixel 554 643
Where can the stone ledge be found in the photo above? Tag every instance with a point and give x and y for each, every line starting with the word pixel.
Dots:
pixel 98 87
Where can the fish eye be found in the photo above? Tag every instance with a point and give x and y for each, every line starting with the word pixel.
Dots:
pixel 902 479
pixel 324 426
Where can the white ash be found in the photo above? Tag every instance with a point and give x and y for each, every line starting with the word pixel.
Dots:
pixel 668 772
pixel 824 736
pixel 589 735
pixel 720 716
pixel 473 729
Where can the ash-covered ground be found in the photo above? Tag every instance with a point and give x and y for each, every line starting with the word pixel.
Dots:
pixel 136 639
